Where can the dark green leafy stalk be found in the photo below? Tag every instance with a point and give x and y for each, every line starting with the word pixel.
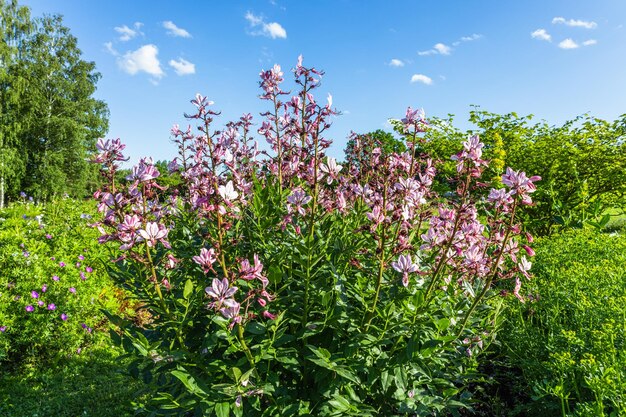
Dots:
pixel 493 276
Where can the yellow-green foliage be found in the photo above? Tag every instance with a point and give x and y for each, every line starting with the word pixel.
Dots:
pixel 571 342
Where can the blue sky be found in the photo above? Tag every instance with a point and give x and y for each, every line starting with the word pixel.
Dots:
pixel 554 59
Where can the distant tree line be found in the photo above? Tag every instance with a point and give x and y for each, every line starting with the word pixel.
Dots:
pixel 49 119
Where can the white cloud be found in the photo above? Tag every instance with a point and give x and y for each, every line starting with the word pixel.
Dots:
pixel 127 33
pixel 542 35
pixel 143 59
pixel 576 23
pixel 174 30
pixel 275 30
pixel 182 66
pixel 472 37
pixel 110 49
pixel 568 44
pixel 396 63
pixel 443 49
pixel 421 78
pixel 590 42
pixel 438 48
pixel 271 30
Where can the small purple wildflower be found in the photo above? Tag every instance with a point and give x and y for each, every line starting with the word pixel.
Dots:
pixel 52 307
pixel 55 277
pixel 62 264
pixel 30 308
pixel 26 254
pixel 3 329
pixel 82 276
pixel 34 294
pixel 89 269
pixel 81 258
pixel 40 303
pixel 48 236
pixel 63 316
pixel 44 288
pixel 73 290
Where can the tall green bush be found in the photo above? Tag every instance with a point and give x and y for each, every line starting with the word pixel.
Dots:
pixel 569 342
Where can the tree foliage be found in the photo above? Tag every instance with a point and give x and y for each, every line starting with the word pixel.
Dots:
pixel 49 118
pixel 581 162
pixel 359 148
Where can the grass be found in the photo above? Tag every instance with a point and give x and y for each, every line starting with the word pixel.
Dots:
pixel 89 384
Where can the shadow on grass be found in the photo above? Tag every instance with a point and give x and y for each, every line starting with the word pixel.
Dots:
pixel 89 384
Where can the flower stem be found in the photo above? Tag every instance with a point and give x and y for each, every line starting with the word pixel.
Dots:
pixel 244 345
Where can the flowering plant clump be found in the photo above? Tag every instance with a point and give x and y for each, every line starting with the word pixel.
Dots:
pixel 284 282
pixel 51 286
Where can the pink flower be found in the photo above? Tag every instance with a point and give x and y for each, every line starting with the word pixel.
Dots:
pixel 518 286
pixel 377 216
pixel 220 290
pixel 227 192
pixel 29 308
pixel 206 259
pixel 520 184
pixel 171 261
pixel 269 315
pixel 154 232
pixel 231 309
pixel 415 118
pixel 524 266
pixel 298 198
pixel 144 171
pixel 406 266
pixel 500 197
pixel 249 272
pixel 331 169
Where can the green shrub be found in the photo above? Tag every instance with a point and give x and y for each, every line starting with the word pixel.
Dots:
pixel 570 342
pixel 581 163
pixel 51 281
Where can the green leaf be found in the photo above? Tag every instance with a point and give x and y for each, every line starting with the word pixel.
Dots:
pixel 442 324
pixel 255 328
pixel 188 289
pixel 340 403
pixel 188 381
pixel 222 409
pixel 400 378
pixel 385 380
